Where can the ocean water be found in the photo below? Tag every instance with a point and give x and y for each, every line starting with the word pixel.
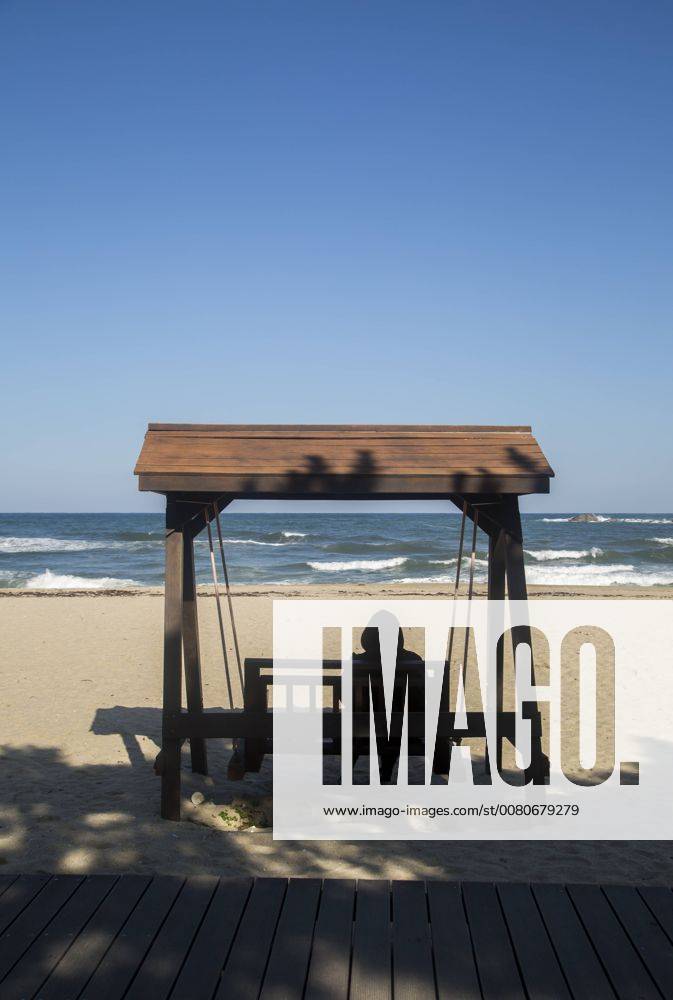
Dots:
pixel 72 551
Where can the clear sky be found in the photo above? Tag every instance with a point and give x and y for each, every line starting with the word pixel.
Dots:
pixel 335 211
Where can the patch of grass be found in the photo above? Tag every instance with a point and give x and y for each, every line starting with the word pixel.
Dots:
pixel 243 814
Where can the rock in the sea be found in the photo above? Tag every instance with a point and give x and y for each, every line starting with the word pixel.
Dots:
pixel 585 518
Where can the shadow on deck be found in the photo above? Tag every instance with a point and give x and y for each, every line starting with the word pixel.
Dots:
pixel 133 936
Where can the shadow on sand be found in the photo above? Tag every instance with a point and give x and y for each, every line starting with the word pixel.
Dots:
pixel 63 816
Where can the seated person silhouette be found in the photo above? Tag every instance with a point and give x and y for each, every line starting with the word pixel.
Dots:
pixel 409 682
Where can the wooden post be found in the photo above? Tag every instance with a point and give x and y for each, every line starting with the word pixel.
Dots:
pixel 190 644
pixel 254 700
pixel 170 747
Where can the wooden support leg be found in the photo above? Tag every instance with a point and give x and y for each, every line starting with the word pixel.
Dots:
pixel 190 643
pixel 170 747
pixel 496 592
pixel 254 700
pixel 518 591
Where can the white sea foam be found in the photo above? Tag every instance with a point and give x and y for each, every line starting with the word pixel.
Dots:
pixel 663 541
pixel 644 520
pixel 579 575
pixel 545 555
pixel 452 562
pixel 12 544
pixel 63 581
pixel 359 564
pixel 596 519
pixel 256 541
pixel 253 541
pixel 598 576
pixel 613 520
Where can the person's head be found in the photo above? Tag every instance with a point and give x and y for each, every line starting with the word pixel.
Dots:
pixel 371 645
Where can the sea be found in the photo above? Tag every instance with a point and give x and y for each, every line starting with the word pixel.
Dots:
pixel 102 551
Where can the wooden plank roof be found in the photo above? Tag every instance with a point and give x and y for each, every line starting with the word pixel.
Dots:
pixel 341 460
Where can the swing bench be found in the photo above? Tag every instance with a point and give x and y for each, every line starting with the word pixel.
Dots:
pixel 202 468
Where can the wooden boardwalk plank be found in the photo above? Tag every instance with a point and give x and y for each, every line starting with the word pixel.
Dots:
pixel 17 896
pixel 629 978
pixel 288 963
pixel 162 964
pixel 34 918
pixel 496 964
pixel 582 969
pixel 48 948
pixel 660 902
pixel 371 972
pixel 537 962
pixel 647 937
pixel 6 881
pixel 80 961
pixel 455 969
pixel 244 971
pixel 329 970
pixel 201 971
pixel 413 972
pixel 165 938
pixel 112 977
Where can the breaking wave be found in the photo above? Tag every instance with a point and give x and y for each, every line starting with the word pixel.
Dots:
pixel 368 565
pixel 452 562
pixel 253 541
pixel 599 576
pixel 601 518
pixel 545 555
pixel 12 544
pixel 63 581
pixel 643 520
pixel 273 539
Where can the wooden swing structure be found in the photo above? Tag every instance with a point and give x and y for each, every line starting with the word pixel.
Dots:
pixel 202 468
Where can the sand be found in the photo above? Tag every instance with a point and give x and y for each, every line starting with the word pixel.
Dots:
pixel 80 700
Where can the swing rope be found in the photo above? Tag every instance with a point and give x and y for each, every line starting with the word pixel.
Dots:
pixel 228 589
pixel 470 586
pixel 457 581
pixel 218 603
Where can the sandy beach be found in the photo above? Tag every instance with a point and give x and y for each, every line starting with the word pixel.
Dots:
pixel 81 721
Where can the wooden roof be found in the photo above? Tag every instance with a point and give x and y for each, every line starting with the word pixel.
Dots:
pixel 257 460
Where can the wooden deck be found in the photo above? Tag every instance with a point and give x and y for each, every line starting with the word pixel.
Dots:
pixel 104 936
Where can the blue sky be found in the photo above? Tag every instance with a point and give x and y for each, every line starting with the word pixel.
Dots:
pixel 335 212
